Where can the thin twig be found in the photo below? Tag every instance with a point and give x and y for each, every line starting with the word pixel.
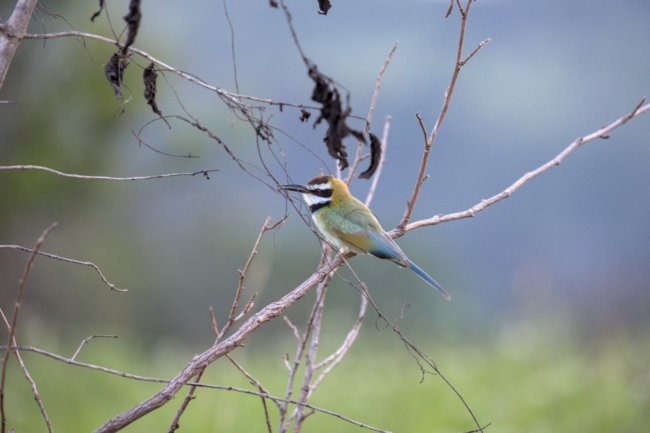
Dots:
pixel 67 260
pixel 242 275
pixel 483 204
pixel 175 424
pixel 30 379
pixel 232 43
pixel 380 166
pixel 335 358
pixel 294 329
pixel 88 340
pixel 428 142
pixel 285 419
pixel 294 35
pixel 232 318
pixel 14 319
pixel 371 110
pixel 204 173
pixel 313 331
pixel 476 50
pixel 256 383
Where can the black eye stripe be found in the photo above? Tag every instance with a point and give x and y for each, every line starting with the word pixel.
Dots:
pixel 321 192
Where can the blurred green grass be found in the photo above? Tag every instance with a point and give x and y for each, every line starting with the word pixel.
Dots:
pixel 530 377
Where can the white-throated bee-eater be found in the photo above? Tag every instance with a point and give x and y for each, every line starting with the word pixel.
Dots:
pixel 349 225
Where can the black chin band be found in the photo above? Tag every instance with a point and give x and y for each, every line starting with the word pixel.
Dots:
pixel 314 207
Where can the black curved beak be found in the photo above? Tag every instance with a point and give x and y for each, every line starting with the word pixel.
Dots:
pixel 296 188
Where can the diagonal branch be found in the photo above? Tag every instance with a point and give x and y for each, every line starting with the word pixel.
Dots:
pixel 30 379
pixel 12 32
pixel 14 319
pixel 602 133
pixel 125 375
pixel 219 349
pixel 335 358
pixel 382 161
pixel 371 111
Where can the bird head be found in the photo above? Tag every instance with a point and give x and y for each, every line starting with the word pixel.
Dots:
pixel 321 191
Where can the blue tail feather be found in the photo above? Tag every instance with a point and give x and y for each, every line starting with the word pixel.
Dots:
pixel 426 277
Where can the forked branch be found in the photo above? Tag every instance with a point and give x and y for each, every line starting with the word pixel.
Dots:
pixel 430 139
pixel 601 133
pixel 14 323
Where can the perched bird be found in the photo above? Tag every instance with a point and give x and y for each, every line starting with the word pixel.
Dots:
pixel 349 225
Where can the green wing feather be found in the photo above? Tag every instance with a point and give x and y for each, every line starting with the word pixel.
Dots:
pixel 359 230
pixel 357 227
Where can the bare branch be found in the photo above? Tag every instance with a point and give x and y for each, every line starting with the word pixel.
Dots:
pixel 293 371
pixel 14 319
pixel 476 50
pixel 232 98
pixel 67 260
pixel 204 173
pixel 294 35
pixel 428 142
pixel 218 350
pixel 232 317
pixel 232 44
pixel 384 147
pixel 371 110
pixel 88 340
pixel 335 358
pixel 242 275
pixel 313 333
pixel 175 424
pixel 10 35
pixel 200 385
pixel 30 379
pixel 483 204
pixel 294 329
pixel 259 387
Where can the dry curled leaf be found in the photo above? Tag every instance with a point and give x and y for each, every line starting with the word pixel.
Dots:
pixel 375 157
pixel 149 76
pixel 326 93
pixel 114 71
pixel 99 11
pixel 133 23
pixel 324 6
pixel 304 115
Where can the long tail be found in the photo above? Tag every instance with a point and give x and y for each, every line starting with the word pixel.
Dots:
pixel 426 277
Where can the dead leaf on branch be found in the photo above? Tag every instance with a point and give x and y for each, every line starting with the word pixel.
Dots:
pixel 114 71
pixel 149 76
pixel 304 115
pixel 324 6
pixel 332 111
pixel 375 157
pixel 133 23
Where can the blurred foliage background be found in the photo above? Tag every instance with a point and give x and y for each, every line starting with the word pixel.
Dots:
pixel 548 328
